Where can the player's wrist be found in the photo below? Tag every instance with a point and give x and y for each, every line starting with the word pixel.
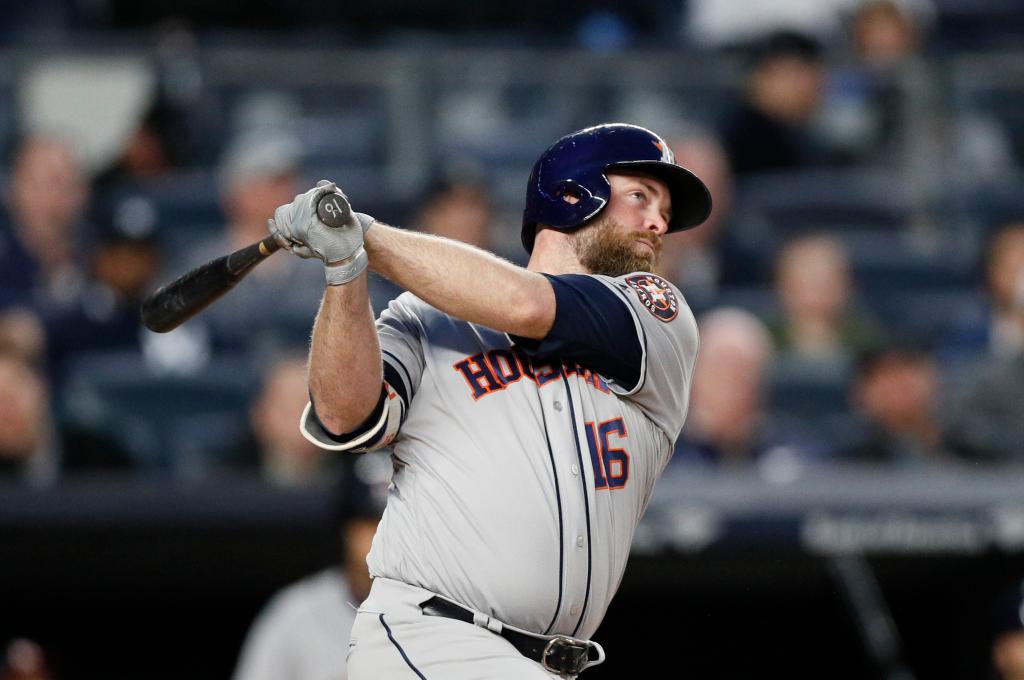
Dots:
pixel 343 271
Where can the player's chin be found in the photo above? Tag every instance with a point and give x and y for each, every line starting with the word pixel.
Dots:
pixel 633 263
pixel 645 256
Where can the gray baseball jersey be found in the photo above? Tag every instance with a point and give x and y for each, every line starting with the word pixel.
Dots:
pixel 298 634
pixel 523 467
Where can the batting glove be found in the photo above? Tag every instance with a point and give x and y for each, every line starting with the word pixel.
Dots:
pixel 297 227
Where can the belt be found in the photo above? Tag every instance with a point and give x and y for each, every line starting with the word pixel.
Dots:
pixel 559 654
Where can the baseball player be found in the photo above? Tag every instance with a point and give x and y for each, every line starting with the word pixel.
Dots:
pixel 530 410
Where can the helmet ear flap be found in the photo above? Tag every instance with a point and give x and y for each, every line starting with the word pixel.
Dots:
pixel 572 192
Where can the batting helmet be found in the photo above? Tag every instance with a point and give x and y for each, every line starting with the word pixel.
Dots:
pixel 569 183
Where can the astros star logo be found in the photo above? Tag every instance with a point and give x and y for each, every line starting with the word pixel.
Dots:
pixel 656 294
pixel 666 153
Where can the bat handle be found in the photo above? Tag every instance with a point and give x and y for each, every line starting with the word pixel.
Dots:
pixel 241 261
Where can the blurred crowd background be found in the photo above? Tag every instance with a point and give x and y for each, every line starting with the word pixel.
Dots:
pixel 859 286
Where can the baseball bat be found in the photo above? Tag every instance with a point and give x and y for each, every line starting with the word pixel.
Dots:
pixel 175 303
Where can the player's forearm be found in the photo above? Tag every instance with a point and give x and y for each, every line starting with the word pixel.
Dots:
pixel 466 282
pixel 344 358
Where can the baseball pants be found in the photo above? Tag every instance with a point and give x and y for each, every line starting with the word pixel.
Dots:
pixel 392 638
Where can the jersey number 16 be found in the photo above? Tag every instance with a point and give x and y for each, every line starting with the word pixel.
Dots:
pixel 611 465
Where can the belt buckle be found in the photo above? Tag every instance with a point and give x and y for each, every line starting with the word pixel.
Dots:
pixel 560 664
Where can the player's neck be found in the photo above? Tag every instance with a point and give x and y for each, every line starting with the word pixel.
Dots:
pixel 553 254
pixel 552 263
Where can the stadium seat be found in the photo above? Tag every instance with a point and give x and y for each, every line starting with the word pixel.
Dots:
pixel 117 392
pixel 913 287
pixel 921 314
pixel 807 390
pixel 186 199
pixel 778 205
pixel 201 442
pixel 758 300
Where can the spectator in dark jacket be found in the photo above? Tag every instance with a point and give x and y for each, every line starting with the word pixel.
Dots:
pixel 771 128
pixel 896 396
pixel 46 198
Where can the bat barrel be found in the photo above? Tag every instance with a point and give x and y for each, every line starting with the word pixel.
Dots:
pixel 177 302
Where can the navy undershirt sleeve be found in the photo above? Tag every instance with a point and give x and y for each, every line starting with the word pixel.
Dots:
pixel 593 327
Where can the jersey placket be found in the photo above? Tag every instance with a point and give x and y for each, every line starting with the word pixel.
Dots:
pixel 563 404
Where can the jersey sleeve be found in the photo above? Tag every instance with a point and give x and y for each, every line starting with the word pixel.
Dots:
pixel 593 327
pixel 636 331
pixel 668 333
pixel 399 331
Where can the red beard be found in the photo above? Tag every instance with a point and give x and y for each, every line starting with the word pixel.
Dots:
pixel 606 247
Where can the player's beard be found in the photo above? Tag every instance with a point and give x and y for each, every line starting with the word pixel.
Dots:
pixel 606 247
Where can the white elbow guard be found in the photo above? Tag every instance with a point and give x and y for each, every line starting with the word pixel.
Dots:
pixel 377 431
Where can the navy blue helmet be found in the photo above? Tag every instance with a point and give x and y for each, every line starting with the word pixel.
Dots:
pixel 569 183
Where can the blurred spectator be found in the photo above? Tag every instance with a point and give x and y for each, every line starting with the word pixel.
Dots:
pixel 272 442
pixel 895 393
pixel 150 151
pixel 258 173
pixel 302 632
pixel 771 128
pixel 25 659
pixel 987 417
pixel 27 437
pixel 728 423
pixel 22 335
pixel 885 32
pixel 274 304
pixel 32 446
pixel 731 23
pixel 819 319
pixel 1006 284
pixel 46 198
pixel 1008 642
pixel 987 414
pixel 701 261
pixel 123 263
pixel 691 259
pixel 458 209
pixel 997 330
pixel 865 101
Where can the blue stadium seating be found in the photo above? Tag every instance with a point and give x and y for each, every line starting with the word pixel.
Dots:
pixel 808 390
pixel 788 203
pixel 119 393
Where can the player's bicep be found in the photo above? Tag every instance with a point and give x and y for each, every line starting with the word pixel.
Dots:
pixel 594 327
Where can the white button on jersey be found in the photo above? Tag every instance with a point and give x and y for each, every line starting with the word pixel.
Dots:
pixel 579 541
pixel 575 469
pixel 558 406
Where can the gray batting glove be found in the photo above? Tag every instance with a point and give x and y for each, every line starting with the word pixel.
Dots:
pixel 297 227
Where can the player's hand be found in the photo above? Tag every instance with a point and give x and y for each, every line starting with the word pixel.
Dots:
pixel 297 227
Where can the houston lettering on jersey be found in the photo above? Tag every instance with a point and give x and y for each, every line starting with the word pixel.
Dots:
pixel 492 371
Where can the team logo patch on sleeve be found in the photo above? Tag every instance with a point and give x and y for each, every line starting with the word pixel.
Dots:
pixel 656 294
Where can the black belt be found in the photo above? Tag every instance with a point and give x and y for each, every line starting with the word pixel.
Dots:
pixel 559 654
